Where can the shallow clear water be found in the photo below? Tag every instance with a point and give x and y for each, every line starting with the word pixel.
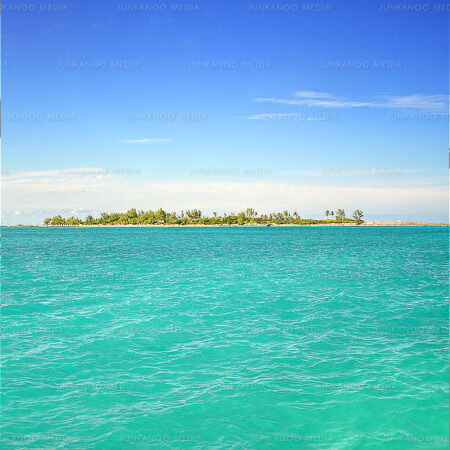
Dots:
pixel 282 337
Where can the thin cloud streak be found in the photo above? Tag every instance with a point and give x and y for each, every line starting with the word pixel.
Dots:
pixel 75 178
pixel 425 102
pixel 312 94
pixel 55 173
pixel 295 117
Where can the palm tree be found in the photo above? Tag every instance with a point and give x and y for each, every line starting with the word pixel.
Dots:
pixel 241 217
pixel 357 216
pixel 105 218
pixel 194 213
pixel 250 212
pixel 131 213
pixel 340 214
pixel 58 221
pixel 327 213
pixel 73 221
pixel 89 220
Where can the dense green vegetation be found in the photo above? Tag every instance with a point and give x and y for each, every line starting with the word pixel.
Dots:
pixel 195 217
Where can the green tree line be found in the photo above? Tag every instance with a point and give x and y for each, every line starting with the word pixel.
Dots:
pixel 195 217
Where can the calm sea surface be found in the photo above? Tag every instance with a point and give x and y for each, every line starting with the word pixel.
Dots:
pixel 287 337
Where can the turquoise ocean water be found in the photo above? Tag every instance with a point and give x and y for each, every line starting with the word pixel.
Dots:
pixel 225 338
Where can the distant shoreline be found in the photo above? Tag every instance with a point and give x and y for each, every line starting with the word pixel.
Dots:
pixel 247 218
pixel 364 224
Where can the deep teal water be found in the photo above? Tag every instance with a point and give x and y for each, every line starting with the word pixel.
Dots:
pixel 329 338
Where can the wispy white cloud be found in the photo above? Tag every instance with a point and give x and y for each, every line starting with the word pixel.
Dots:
pixel 296 117
pixel 312 94
pixel 11 176
pixel 74 179
pixel 424 102
pixel 349 172
pixel 311 102
pixel 145 141
pixel 419 101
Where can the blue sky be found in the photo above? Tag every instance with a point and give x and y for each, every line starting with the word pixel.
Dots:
pixel 223 105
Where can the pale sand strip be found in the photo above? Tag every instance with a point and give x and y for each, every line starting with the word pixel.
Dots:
pixel 365 224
